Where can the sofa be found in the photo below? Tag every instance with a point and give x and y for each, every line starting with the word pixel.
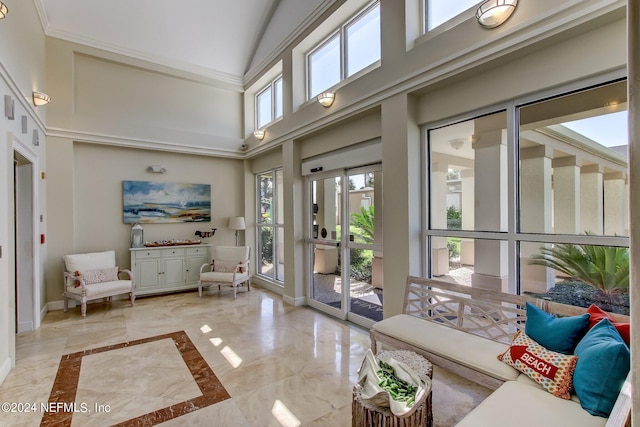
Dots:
pixel 485 336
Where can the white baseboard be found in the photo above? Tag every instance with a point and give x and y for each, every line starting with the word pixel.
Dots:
pixel 5 368
pixel 44 312
pixel 58 305
pixel 296 302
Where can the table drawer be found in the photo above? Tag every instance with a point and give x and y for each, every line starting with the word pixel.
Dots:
pixel 197 251
pixel 172 252
pixel 147 253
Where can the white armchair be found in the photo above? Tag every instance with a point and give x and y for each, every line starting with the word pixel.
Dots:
pixel 229 266
pixel 92 276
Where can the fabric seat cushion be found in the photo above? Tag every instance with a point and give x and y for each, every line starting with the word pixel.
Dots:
pixel 99 290
pixel 90 261
pixel 464 348
pixel 217 276
pixel 519 404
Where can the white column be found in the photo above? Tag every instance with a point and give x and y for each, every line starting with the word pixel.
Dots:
pixel 566 195
pixel 535 190
pixel 535 214
pixel 377 271
pixel 491 256
pixel 467 207
pixel 615 204
pixel 591 199
pixel 438 212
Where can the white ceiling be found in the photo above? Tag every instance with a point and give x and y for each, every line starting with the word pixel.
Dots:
pixel 213 38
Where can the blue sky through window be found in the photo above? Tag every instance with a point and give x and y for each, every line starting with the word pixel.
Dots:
pixel 609 130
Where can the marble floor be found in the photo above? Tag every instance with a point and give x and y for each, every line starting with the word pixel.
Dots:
pixel 179 360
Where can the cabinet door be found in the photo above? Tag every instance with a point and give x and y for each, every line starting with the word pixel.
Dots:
pixel 193 268
pixel 147 273
pixel 173 272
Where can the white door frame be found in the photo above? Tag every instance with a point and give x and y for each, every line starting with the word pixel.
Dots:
pixel 32 156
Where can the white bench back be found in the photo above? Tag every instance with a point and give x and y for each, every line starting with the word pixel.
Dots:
pixel 90 261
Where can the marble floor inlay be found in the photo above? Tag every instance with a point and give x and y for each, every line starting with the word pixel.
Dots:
pixel 64 403
pixel 276 366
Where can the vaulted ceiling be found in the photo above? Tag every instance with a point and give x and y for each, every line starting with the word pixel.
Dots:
pixel 214 38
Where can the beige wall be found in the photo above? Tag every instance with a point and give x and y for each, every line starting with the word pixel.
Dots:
pixel 120 100
pixel 22 52
pixel 85 200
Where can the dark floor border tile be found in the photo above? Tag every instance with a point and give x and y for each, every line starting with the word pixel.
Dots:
pixel 66 384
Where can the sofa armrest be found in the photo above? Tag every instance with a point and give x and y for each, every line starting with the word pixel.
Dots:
pixel 128 272
pixel 621 414
pixel 70 279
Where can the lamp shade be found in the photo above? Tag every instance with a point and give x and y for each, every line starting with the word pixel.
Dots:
pixel 3 10
pixel 236 223
pixel 493 13
pixel 326 98
pixel 40 98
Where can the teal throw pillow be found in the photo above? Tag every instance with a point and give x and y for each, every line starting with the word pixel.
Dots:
pixel 604 360
pixel 559 334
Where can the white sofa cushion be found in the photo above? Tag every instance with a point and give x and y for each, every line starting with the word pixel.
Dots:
pixel 90 261
pixel 517 403
pixel 466 349
pixel 99 290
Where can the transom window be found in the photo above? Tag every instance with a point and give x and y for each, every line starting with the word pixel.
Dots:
pixel 437 12
pixel 269 103
pixel 350 49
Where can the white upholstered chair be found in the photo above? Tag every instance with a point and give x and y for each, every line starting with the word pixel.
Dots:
pixel 92 276
pixel 229 266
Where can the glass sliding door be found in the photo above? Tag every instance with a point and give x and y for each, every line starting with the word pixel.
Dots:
pixel 345 244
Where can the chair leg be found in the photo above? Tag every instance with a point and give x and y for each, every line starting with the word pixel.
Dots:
pixel 200 289
pixel 66 304
pixel 132 296
pixel 235 291
pixel 83 309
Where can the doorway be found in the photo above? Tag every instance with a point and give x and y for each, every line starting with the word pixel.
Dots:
pixel 26 249
pixel 346 244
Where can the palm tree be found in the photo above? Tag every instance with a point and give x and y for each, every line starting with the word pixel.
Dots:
pixel 606 268
pixel 364 220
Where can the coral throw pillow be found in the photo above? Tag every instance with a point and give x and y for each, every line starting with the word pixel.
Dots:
pixel 597 314
pixel 552 370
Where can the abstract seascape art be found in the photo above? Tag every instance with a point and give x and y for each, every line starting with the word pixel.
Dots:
pixel 161 202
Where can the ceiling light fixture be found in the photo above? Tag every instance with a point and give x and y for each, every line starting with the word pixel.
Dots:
pixel 457 143
pixel 40 98
pixel 326 98
pixel 259 134
pixel 3 10
pixel 493 13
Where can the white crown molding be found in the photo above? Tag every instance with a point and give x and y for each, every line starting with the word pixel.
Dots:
pixel 183 66
pixel 23 99
pixel 148 144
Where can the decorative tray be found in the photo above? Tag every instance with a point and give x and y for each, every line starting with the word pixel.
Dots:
pixel 172 243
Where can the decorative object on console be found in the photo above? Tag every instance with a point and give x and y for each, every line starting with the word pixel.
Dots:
pixel 156 169
pixel 164 202
pixel 206 234
pixel 236 223
pixel 137 236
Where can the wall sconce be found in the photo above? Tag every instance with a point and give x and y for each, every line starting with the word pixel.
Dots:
pixel 40 98
pixel 259 134
pixel 3 10
pixel 326 98
pixel 237 223
pixel 493 13
pixel 156 169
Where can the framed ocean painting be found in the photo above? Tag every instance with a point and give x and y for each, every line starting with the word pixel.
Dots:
pixel 162 202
